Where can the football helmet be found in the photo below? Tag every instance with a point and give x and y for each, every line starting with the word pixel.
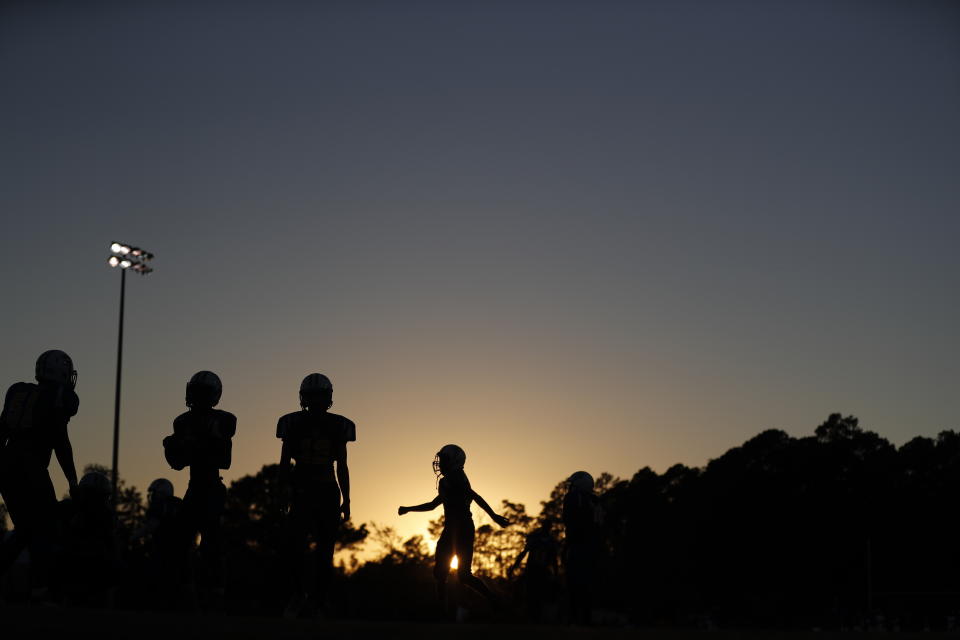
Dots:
pixel 204 390
pixel 56 366
pixel 316 391
pixel 159 489
pixel 581 481
pixel 95 483
pixel 449 458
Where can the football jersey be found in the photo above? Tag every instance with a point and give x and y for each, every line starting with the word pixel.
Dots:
pixel 580 517
pixel 204 435
pixel 314 438
pixel 456 496
pixel 34 421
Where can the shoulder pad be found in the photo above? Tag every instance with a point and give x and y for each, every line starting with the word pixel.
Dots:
pixel 226 423
pixel 181 421
pixel 15 402
pixel 286 423
pixel 346 429
pixel 20 388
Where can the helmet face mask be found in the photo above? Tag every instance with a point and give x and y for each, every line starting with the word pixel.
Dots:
pixel 316 392
pixel 57 367
pixel 204 390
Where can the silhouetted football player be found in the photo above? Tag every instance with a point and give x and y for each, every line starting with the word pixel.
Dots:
pixel 201 440
pixel 87 564
pixel 580 514
pixel 456 495
pixel 33 425
pixel 319 489
pixel 539 575
pixel 165 555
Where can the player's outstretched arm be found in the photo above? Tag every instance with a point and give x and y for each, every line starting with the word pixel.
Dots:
pixel 496 517
pixel 426 506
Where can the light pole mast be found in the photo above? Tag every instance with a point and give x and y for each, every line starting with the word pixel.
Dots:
pixel 125 257
pixel 116 402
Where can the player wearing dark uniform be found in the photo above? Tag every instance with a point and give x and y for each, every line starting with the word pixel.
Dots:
pixel 456 539
pixel 162 546
pixel 582 540
pixel 315 440
pixel 87 563
pixel 539 575
pixel 33 426
pixel 201 440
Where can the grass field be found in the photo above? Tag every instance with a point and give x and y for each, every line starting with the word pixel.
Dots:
pixel 63 622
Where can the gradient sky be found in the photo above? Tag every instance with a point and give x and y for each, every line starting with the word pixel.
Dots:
pixel 564 235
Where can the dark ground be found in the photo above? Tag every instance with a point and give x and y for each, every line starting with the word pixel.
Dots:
pixel 64 622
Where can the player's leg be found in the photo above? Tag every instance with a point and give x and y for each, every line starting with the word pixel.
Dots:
pixel 16 498
pixel 579 572
pixel 212 553
pixel 211 543
pixel 441 566
pixel 464 551
pixel 188 526
pixel 41 507
pixel 327 525
pixel 296 537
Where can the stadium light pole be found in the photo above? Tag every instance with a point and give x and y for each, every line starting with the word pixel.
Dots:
pixel 126 257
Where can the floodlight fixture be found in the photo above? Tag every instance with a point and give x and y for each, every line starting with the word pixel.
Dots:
pixel 121 248
pixel 126 256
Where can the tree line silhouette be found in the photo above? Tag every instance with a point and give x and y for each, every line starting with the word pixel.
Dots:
pixel 840 529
